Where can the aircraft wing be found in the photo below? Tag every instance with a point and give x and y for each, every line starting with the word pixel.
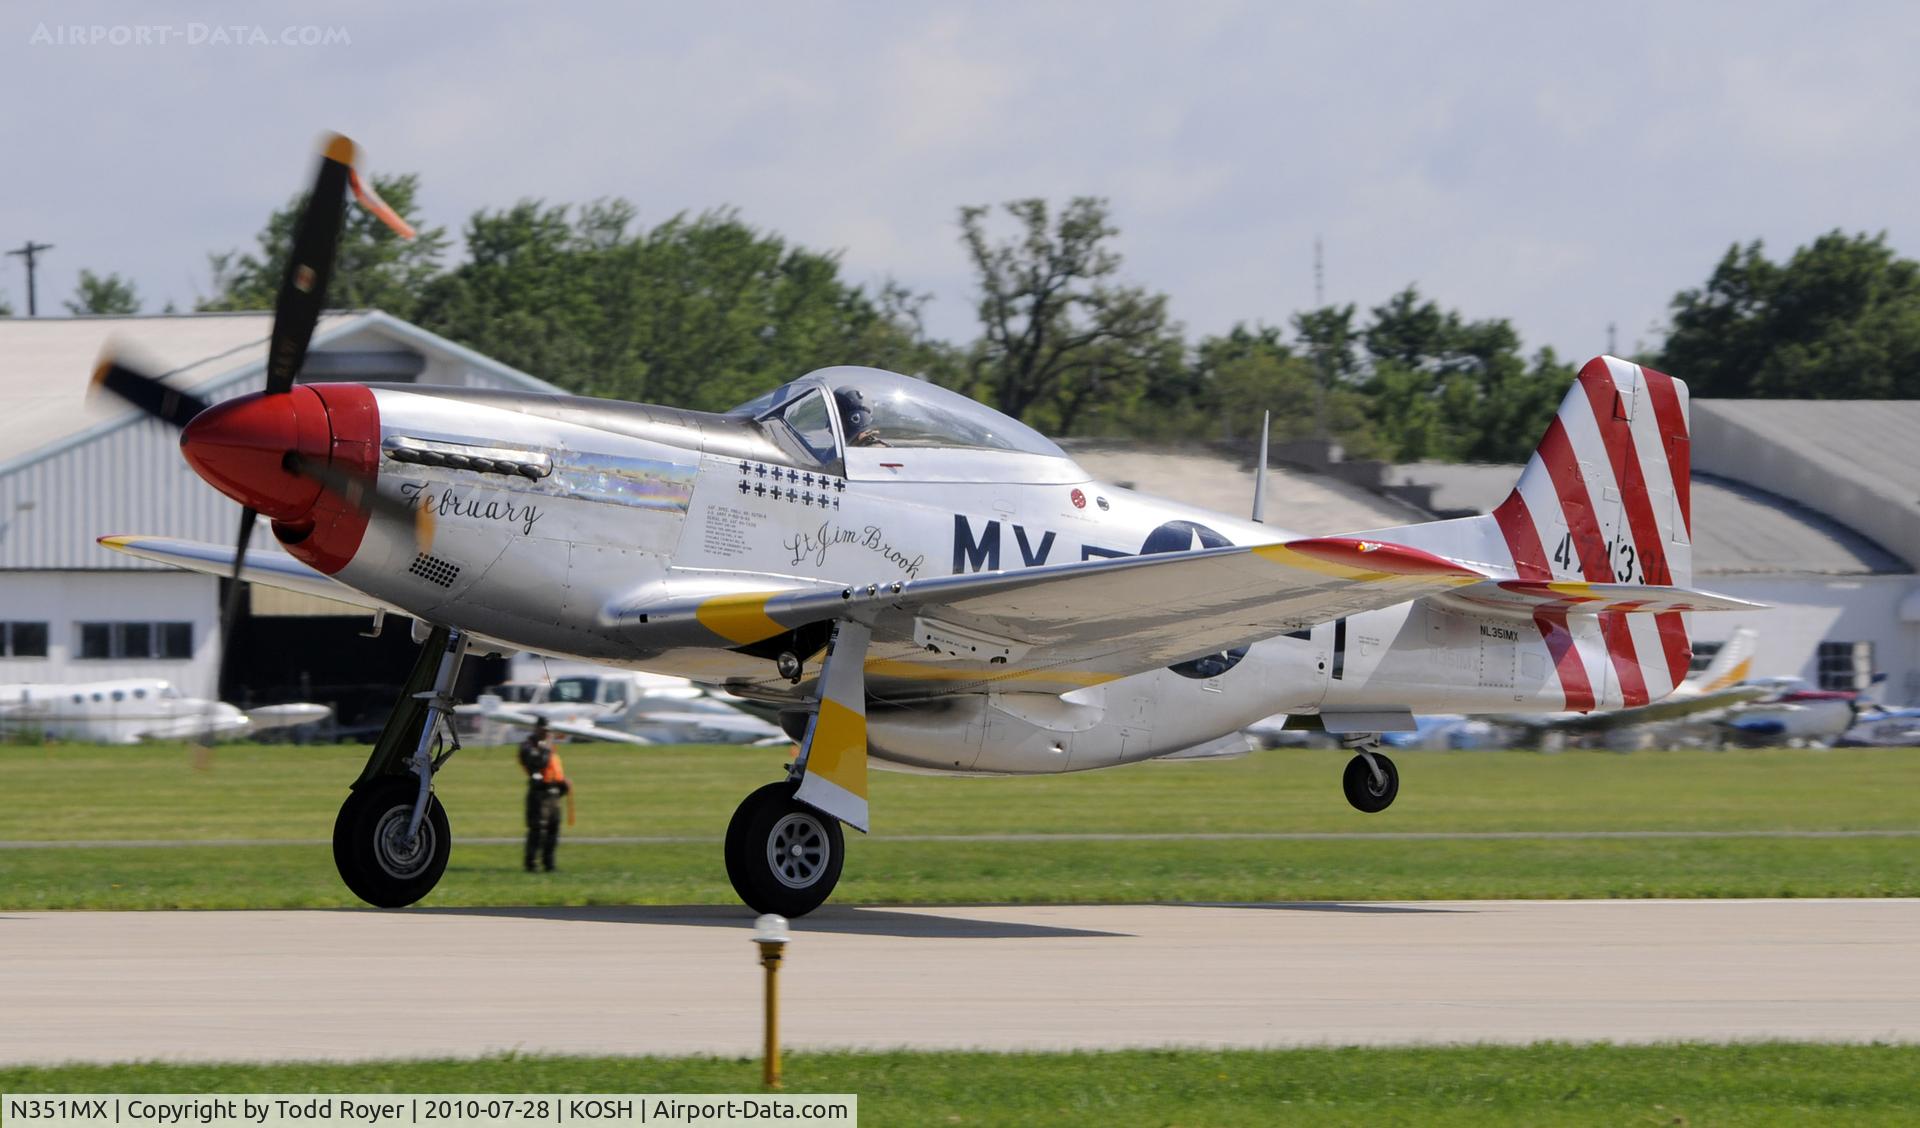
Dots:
pixel 272 569
pixel 1064 627
pixel 195 727
pixel 1700 706
pixel 571 728
pixel 269 717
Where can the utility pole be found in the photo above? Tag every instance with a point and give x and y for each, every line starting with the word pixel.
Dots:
pixel 1613 348
pixel 27 251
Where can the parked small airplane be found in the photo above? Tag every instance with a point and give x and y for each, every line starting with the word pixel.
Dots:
pixel 131 710
pixel 626 706
pixel 1785 710
pixel 911 577
pixel 1879 726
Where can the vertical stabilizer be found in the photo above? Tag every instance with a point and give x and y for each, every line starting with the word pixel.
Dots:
pixel 1731 665
pixel 1606 499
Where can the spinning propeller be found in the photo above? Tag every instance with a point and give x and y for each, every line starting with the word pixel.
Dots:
pixel 303 295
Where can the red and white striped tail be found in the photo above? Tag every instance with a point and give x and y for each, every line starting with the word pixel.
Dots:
pixel 1605 499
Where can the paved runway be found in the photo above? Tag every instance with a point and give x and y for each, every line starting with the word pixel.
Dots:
pixel 321 984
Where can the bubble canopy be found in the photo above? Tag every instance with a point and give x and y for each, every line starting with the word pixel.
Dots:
pixel 901 411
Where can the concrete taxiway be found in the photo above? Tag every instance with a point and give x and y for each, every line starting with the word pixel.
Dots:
pixel 456 982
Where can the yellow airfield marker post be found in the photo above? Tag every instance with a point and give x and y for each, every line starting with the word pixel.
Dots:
pixel 770 933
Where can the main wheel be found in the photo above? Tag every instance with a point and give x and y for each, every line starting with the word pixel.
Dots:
pixel 1366 793
pixel 371 850
pixel 782 855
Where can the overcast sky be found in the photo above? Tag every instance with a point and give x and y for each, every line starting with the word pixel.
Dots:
pixel 1558 165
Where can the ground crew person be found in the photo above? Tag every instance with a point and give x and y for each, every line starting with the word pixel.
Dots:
pixel 547 786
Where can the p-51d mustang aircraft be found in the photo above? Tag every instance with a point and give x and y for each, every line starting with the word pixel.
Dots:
pixel 912 578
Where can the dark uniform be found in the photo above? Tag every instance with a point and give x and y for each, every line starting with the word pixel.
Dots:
pixel 547 789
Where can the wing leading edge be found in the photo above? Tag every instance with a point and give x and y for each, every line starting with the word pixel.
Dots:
pixel 1064 627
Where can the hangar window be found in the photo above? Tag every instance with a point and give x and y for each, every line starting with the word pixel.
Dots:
pixel 1703 655
pixel 176 640
pixel 135 640
pixel 1846 665
pixel 96 640
pixel 23 640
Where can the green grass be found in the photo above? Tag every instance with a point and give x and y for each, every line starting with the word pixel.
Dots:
pixel 282 792
pixel 1544 1084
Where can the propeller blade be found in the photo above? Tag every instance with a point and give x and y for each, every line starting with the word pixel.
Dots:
pixel 316 240
pixel 202 743
pixel 359 491
pixel 148 393
pixel 303 291
pixel 230 609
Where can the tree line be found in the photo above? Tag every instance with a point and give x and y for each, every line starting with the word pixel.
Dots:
pixel 706 311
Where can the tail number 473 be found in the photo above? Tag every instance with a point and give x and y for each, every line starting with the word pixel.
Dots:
pixel 1622 561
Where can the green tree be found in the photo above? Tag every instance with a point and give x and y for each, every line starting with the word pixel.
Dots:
pixel 5 309
pixel 1839 319
pixel 701 312
pixel 1440 386
pixel 1063 345
pixel 1246 372
pixel 109 295
pixel 374 268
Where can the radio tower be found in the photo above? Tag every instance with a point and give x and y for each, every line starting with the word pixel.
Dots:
pixel 1320 350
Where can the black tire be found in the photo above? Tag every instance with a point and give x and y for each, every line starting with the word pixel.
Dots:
pixel 1363 791
pixel 367 849
pixel 782 855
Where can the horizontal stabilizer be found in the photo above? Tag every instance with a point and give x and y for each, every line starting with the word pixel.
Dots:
pixel 1578 597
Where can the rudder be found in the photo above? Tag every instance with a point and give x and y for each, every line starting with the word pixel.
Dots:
pixel 1606 498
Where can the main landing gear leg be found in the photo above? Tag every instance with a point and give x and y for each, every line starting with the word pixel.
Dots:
pixel 1370 781
pixel 391 840
pixel 784 846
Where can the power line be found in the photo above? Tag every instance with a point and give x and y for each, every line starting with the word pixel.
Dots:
pixel 27 251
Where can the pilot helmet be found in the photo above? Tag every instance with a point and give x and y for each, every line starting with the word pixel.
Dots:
pixel 854 412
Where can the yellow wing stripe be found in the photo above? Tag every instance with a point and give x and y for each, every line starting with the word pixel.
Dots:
pixel 838 753
pixel 740 619
pixel 1287 557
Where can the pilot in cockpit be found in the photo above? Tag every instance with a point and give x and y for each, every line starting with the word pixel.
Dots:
pixel 856 418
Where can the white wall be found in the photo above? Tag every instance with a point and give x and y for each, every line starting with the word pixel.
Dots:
pixel 1805 611
pixel 60 599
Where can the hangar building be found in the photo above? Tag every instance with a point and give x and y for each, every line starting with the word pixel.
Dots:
pixel 75 467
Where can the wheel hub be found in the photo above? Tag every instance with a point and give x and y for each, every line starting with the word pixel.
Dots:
pixel 401 857
pixel 798 850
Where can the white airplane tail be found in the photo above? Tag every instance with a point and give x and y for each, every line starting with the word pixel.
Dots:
pixel 1598 534
pixel 1605 497
pixel 1731 665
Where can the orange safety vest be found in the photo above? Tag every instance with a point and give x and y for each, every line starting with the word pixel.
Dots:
pixel 553 772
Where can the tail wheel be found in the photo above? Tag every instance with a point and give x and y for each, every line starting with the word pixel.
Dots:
pixel 379 863
pixel 1364 791
pixel 782 855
